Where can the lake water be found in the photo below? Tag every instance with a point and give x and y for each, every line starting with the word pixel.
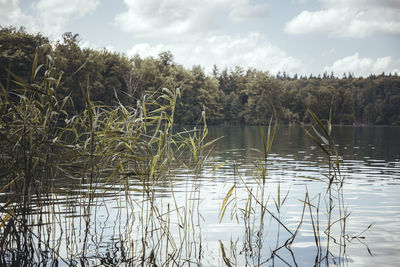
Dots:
pixel 182 222
pixel 371 169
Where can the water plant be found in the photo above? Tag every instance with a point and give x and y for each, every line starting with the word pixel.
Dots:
pixel 330 234
pixel 47 153
pixel 99 186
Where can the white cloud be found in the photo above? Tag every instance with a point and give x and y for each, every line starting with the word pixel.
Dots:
pixel 53 15
pixel 242 13
pixel 146 50
pixel 361 3
pixel 362 66
pixel 52 8
pixel 11 14
pixel 191 30
pixel 47 16
pixel 349 18
pixel 251 50
pixel 155 18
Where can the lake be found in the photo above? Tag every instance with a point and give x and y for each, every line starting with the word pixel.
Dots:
pixel 371 169
pixel 237 208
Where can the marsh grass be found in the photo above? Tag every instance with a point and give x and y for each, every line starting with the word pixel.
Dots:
pixel 69 179
pixel 51 158
pixel 325 214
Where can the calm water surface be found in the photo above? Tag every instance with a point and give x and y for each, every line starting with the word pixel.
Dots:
pixel 370 164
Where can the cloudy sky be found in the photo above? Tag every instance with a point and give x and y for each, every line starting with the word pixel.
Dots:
pixel 296 36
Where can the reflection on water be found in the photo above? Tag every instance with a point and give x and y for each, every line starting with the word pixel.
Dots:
pixel 185 227
pixel 371 167
pixel 375 142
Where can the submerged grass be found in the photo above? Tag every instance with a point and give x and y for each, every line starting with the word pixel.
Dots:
pixel 68 178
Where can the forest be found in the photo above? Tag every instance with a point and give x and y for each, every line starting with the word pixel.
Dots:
pixel 235 96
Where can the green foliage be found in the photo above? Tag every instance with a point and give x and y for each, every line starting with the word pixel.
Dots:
pixel 263 99
pixel 17 50
pixel 44 150
pixel 235 96
pixel 31 135
pixel 73 126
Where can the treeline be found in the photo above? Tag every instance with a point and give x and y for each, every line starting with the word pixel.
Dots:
pixel 234 96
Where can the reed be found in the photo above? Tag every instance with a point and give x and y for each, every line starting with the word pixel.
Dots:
pixel 69 178
pixel 330 235
pixel 46 150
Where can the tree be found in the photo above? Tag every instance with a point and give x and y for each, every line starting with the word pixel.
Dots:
pixel 17 51
pixel 264 100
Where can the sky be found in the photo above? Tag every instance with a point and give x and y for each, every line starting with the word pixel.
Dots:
pixel 293 36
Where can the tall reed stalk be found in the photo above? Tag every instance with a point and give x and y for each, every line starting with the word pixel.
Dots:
pixel 257 209
pixel 45 148
pixel 67 178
